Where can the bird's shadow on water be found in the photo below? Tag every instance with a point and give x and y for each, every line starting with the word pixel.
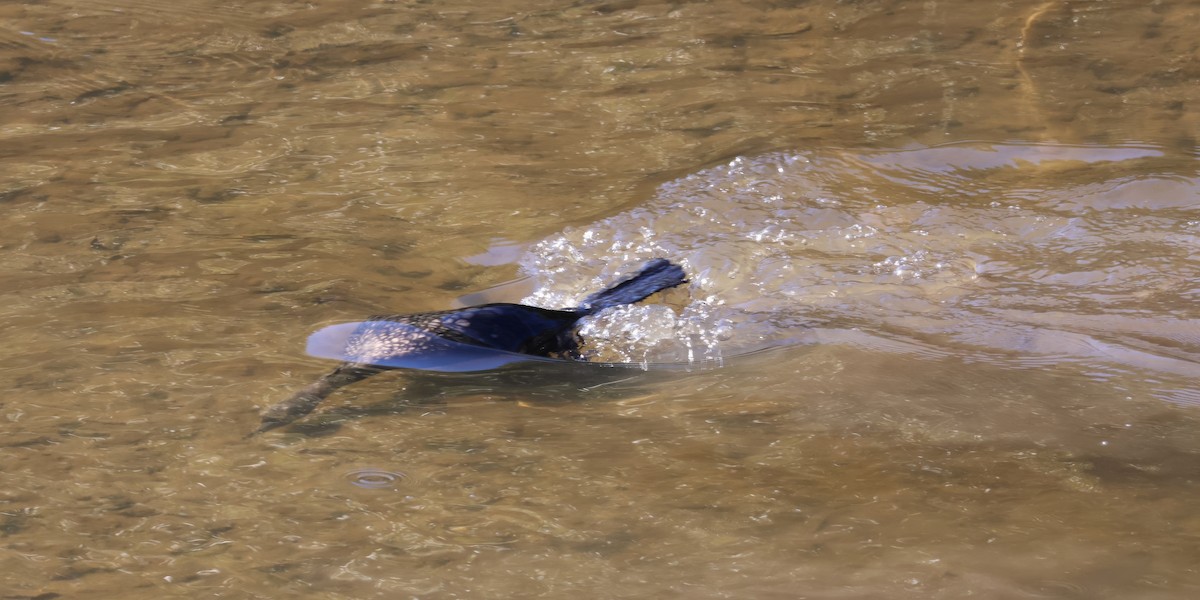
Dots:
pixel 535 384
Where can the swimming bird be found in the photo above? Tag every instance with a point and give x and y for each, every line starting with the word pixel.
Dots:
pixel 398 339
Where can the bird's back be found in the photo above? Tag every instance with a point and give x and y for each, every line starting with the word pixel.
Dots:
pixel 508 327
pixel 513 327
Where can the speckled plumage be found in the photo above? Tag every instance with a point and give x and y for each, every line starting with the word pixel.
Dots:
pixel 507 327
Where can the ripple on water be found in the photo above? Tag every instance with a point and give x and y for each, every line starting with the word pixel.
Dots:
pixel 968 244
pixel 374 479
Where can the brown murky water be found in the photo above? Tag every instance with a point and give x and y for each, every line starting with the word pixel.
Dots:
pixel 943 252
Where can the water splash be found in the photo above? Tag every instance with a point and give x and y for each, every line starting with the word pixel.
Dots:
pixel 934 243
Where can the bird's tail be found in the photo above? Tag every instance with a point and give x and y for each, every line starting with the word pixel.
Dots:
pixel 657 275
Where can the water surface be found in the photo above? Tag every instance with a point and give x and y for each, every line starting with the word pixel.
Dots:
pixel 942 302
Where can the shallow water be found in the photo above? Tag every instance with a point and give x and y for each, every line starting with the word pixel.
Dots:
pixel 942 312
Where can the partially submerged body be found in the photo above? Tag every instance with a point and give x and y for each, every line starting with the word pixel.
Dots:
pixel 435 340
